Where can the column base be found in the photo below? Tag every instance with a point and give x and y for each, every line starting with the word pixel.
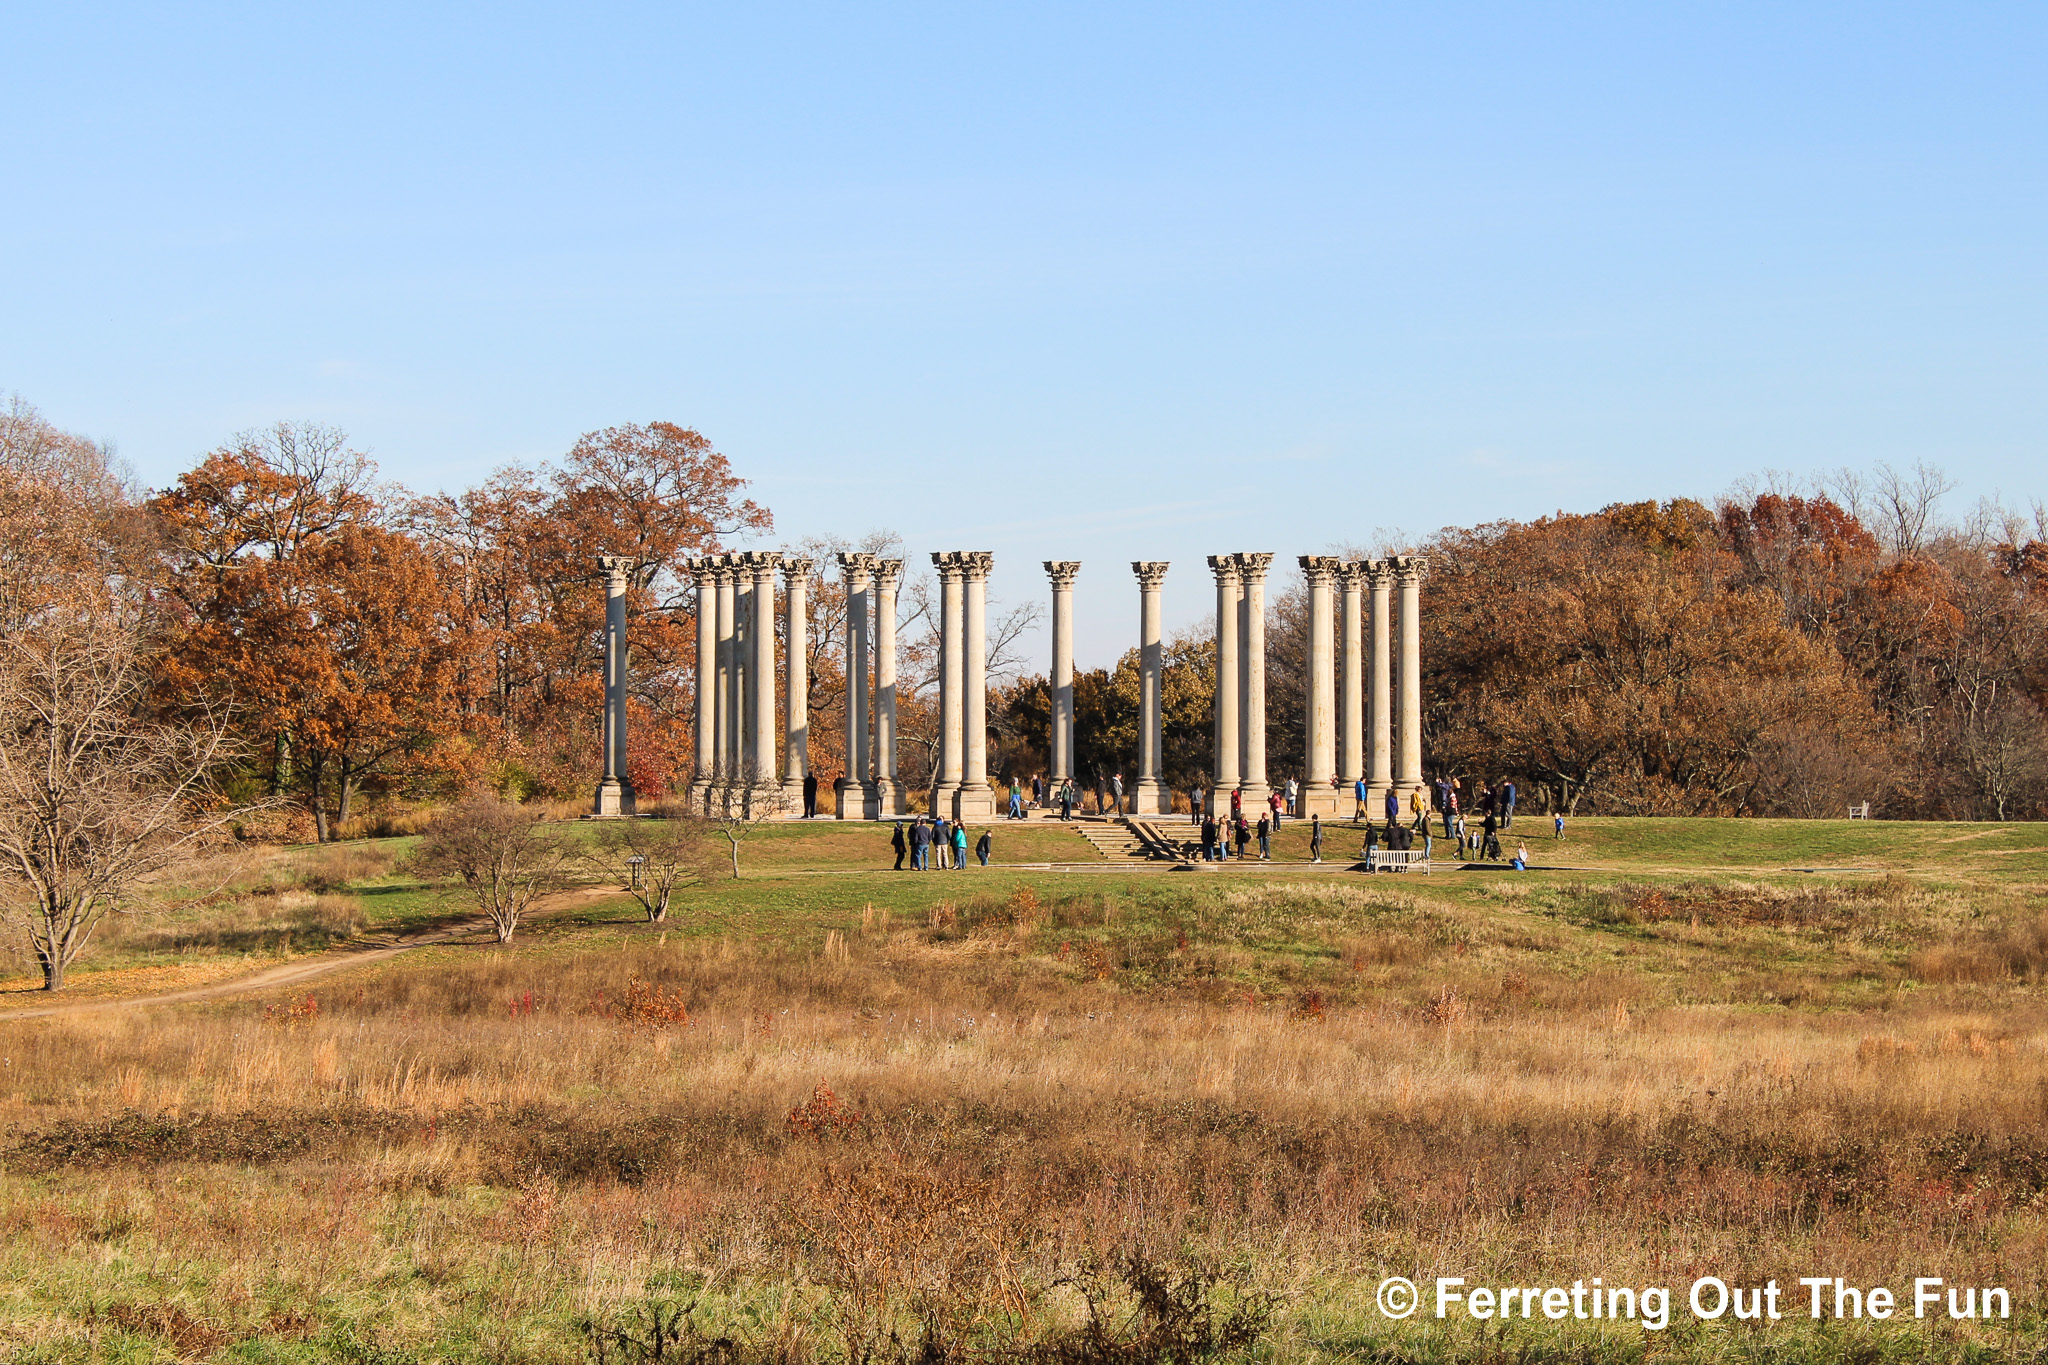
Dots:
pixel 853 800
pixel 767 800
pixel 1219 800
pixel 1324 800
pixel 1255 796
pixel 614 799
pixel 698 796
pixel 972 802
pixel 1151 797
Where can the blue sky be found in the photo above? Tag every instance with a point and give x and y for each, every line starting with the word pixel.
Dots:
pixel 1102 282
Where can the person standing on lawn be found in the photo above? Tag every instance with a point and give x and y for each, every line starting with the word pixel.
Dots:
pixel 1359 811
pixel 1265 841
pixel 1209 840
pixel 959 846
pixel 896 841
pixel 984 846
pixel 920 844
pixel 1315 838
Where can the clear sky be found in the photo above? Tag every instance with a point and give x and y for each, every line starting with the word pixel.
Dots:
pixel 1093 281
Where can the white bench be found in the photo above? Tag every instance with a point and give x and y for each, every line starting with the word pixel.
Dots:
pixel 1861 812
pixel 1398 860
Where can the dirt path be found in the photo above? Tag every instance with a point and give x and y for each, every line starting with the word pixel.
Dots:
pixel 307 969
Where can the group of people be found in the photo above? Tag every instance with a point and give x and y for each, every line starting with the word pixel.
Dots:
pixel 1064 796
pixel 1279 801
pixel 929 841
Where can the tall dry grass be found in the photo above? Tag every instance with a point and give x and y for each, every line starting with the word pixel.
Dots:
pixel 929 1128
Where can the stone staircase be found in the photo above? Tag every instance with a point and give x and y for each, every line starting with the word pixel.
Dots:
pixel 1125 839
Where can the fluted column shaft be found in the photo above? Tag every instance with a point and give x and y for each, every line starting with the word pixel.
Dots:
pixel 1350 689
pixel 1252 629
pixel 1408 738
pixel 707 682
pixel 796 686
pixel 888 786
pixel 952 680
pixel 615 788
pixel 766 778
pixel 1062 573
pixel 977 799
pixel 741 739
pixel 1379 773
pixel 852 789
pixel 1319 757
pixel 1151 796
pixel 728 723
pixel 1228 586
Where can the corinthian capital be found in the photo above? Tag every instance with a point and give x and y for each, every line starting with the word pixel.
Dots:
pixel 1151 573
pixel 1062 572
pixel 1320 569
pixel 1253 566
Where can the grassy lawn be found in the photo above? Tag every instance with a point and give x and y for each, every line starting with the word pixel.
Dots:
pixel 844 1113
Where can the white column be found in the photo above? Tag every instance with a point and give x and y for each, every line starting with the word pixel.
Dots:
pixel 796 686
pixel 767 779
pixel 1062 572
pixel 1408 721
pixel 952 682
pixel 1350 688
pixel 1379 772
pixel 1319 757
pixel 615 787
pixel 888 786
pixel 1228 586
pixel 1152 796
pixel 728 728
pixel 740 746
pixel 707 682
pixel 853 789
pixel 976 800
pixel 1252 687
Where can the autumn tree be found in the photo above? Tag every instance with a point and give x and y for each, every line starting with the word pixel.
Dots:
pixel 504 856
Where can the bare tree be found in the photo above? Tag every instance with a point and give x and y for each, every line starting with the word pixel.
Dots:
pixel 653 858
pixel 743 806
pixel 502 853
pixel 95 800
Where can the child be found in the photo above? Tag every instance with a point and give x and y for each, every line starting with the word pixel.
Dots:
pixel 1521 856
pixel 1560 827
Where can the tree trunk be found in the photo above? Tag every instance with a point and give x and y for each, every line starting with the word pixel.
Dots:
pixel 52 964
pixel 319 806
pixel 348 793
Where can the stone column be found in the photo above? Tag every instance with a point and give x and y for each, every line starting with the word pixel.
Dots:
pixel 1252 685
pixel 796 688
pixel 1062 572
pixel 728 727
pixel 1350 688
pixel 952 682
pixel 1379 770
pixel 742 671
pixel 977 800
pixel 1152 796
pixel 1408 717
pixel 704 571
pixel 615 787
pixel 853 790
pixel 1228 586
pixel 1319 757
pixel 765 789
pixel 888 786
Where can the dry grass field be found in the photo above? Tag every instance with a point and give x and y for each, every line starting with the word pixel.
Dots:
pixel 830 1113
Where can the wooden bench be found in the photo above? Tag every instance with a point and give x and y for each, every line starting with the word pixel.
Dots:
pixel 1397 860
pixel 1861 812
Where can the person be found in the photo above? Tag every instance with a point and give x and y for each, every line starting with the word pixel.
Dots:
pixel 943 842
pixel 1458 832
pixel 896 841
pixel 1450 807
pixel 1425 843
pixel 1067 799
pixel 1489 844
pixel 1265 841
pixel 1244 837
pixel 1236 805
pixel 920 844
pixel 1358 812
pixel 1278 803
pixel 1195 805
pixel 1016 801
pixel 1393 808
pixel 1507 804
pixel 811 800
pixel 1418 806
pixel 1372 844
pixel 1037 791
pixel 1521 856
pixel 984 845
pixel 1209 840
pixel 1315 838
pixel 959 846
pixel 1293 795
pixel 1559 827
pixel 1116 789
